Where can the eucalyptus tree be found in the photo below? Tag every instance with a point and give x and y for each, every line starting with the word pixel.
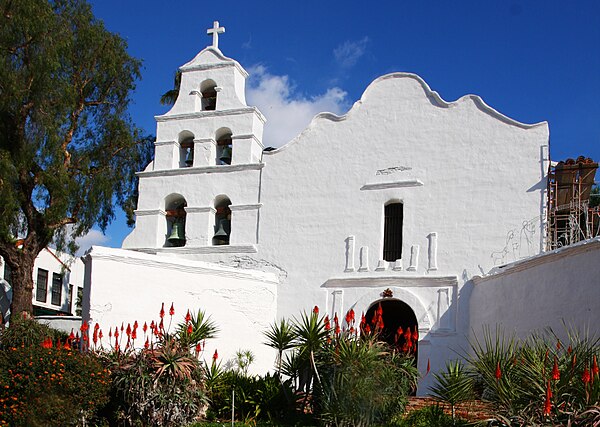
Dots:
pixel 68 148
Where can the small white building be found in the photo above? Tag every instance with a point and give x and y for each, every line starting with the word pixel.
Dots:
pixel 401 201
pixel 57 281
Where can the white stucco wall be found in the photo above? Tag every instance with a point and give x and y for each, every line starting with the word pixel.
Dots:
pixel 550 290
pixel 125 286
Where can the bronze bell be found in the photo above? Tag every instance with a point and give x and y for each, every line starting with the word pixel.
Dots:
pixel 177 237
pixel 221 237
pixel 225 157
pixel 189 157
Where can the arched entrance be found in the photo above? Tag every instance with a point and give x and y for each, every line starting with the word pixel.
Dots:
pixel 400 326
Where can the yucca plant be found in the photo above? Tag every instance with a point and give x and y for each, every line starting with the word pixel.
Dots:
pixel 453 385
pixel 281 337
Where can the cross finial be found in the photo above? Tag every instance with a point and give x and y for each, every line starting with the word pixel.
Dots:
pixel 215 31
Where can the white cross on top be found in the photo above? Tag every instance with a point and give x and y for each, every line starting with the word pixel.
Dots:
pixel 215 31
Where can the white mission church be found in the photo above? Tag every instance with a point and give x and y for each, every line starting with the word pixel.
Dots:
pixel 407 200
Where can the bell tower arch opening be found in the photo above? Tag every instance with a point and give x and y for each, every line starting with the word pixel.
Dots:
pixel 224 146
pixel 397 325
pixel 175 215
pixel 208 88
pixel 222 220
pixel 186 149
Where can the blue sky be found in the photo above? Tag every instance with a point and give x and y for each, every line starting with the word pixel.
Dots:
pixel 531 60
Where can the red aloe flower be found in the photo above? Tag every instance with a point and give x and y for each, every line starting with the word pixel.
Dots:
pixel 47 343
pixel 146 344
pixel 547 400
pixel 135 325
pixel 134 334
pixel 96 327
pixel 109 333
pixel 335 319
pixel 190 329
pixel 188 317
pixel 367 329
pixel 555 371
pixel 327 324
pixel 116 332
pixel 95 336
pixel 585 377
pixel 363 320
pixel 379 310
pixel 171 310
pixel 198 348
pixel 116 344
pixel 100 334
pixel 595 369
pixel 161 326
pixel 316 310
pixel 152 325
pixel 67 346
pixel 416 334
pixel 498 373
pixel 71 335
pixel 128 331
pixel 215 356
pixel 162 311
pixel 348 317
pixel 84 326
pixel 569 349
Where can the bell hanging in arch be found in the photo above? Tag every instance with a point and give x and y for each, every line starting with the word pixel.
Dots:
pixel 177 237
pixel 189 157
pixel 225 157
pixel 221 237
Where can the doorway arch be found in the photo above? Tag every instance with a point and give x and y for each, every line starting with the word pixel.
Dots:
pixel 400 325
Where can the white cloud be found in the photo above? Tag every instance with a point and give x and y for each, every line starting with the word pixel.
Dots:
pixel 287 112
pixel 349 52
pixel 93 237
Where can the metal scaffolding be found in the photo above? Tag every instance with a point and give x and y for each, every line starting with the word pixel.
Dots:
pixel 570 215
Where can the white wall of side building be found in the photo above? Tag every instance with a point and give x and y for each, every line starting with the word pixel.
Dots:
pixel 554 289
pixel 71 271
pixel 127 286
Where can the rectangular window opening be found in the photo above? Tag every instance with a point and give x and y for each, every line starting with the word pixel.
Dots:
pixel 41 289
pixel 392 232
pixel 57 280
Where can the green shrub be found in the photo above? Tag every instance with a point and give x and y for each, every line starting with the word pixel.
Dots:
pixel 429 416
pixel 340 377
pixel 257 398
pixel 47 386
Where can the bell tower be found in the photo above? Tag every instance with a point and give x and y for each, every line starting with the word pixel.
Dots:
pixel 204 180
